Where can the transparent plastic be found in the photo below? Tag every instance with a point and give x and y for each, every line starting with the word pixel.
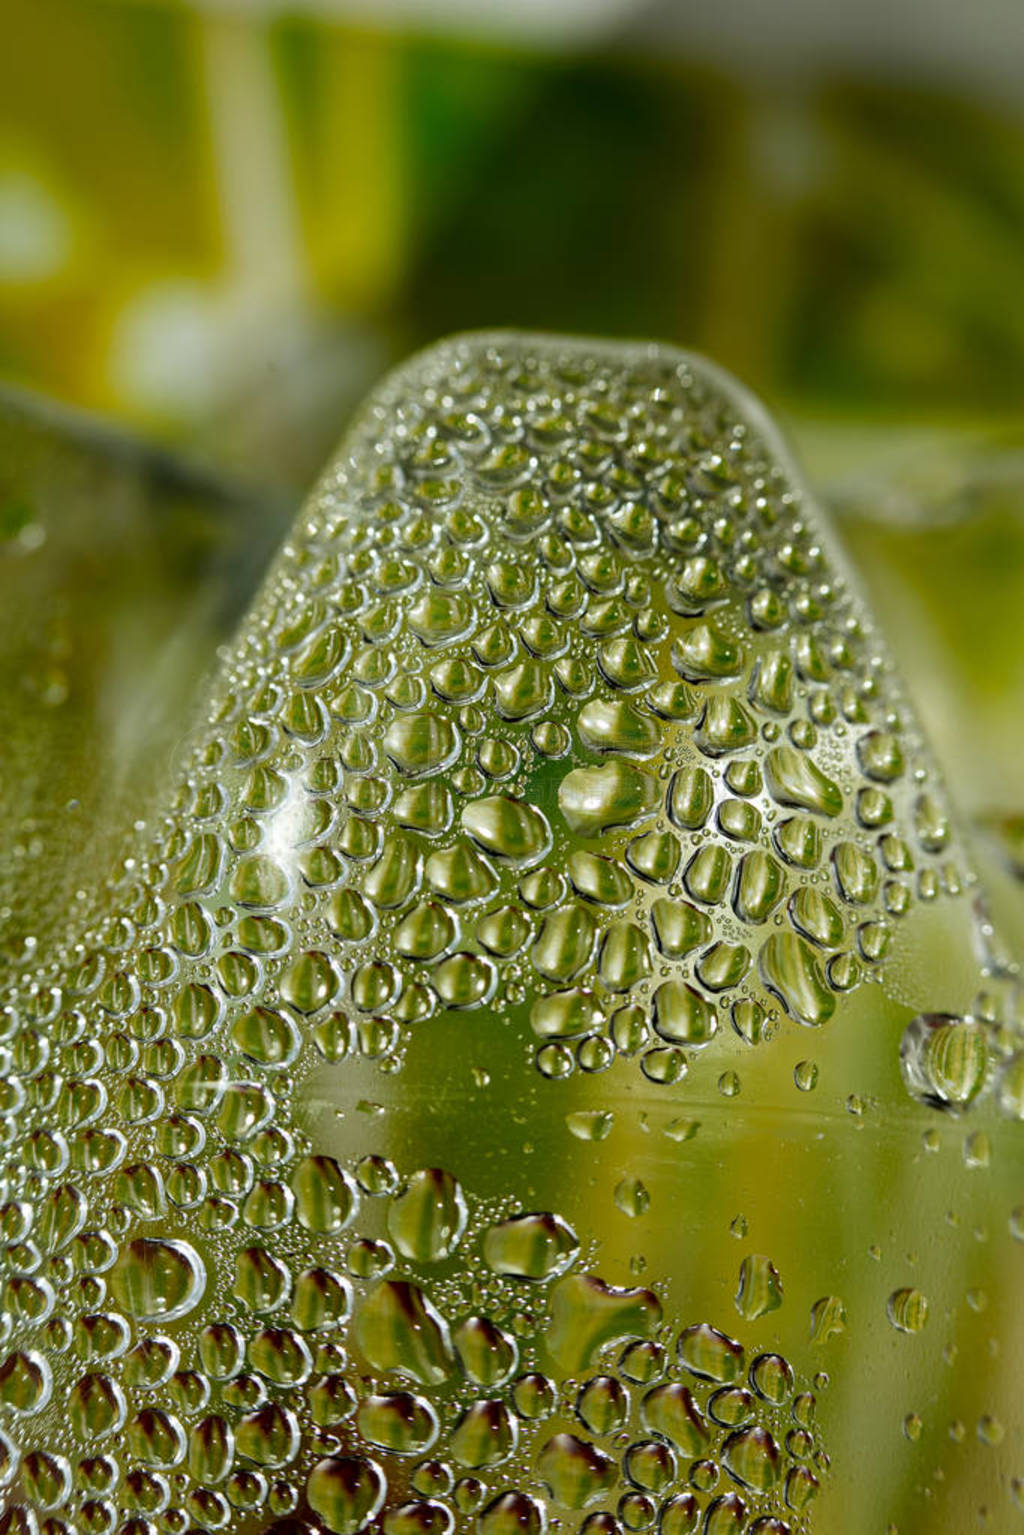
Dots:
pixel 548 1064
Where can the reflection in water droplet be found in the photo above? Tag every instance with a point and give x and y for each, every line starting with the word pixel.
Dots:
pixel 760 1289
pixel 944 1060
pixel 347 1492
pixel 907 1310
pixel 399 1422
pixel 512 1513
pixel 753 1458
pixel 156 1280
pixel 507 828
pixel 671 1411
pixel 530 1246
pixel 398 1328
pixel 590 1124
pixel 576 1472
pixel 586 1314
pixel 486 1434
pixel 594 800
pixel 710 1354
pixel 25 1383
pixel 792 971
pixel 632 1197
pixel 828 1318
pixel 428 1217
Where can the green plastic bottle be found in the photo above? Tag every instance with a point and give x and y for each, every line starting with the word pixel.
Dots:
pixel 548 1067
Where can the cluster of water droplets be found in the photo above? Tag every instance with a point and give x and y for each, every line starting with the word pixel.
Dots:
pixel 376 1341
pixel 555 712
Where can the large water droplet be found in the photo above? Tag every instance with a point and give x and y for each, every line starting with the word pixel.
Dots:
pixel 536 1246
pixel 586 1314
pixel 944 1060
pixel 347 1492
pixel 507 828
pixel 421 743
pixel 398 1328
pixel 907 1310
pixel 596 799
pixel 156 1281
pixel 752 1456
pixel 760 1288
pixel 25 1383
pixel 426 1220
pixel 576 1472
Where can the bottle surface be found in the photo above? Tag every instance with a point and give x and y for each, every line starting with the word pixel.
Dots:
pixel 550 1066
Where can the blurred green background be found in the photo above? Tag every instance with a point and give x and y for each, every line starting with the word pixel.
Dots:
pixel 222 220
pixel 219 223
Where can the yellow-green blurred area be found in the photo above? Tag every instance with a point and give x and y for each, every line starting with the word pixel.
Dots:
pixel 220 222
pixel 236 214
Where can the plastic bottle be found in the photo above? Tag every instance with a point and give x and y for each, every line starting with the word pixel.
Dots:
pixel 549 1067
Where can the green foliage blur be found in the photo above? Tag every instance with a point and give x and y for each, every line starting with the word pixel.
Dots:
pixel 222 222
pixel 219 224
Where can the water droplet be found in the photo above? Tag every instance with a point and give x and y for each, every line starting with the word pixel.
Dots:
pixel 511 1513
pixel 990 1430
pixel 586 1314
pixel 25 1383
pixel 678 927
pixel 96 1407
pixel 680 1515
pixel 710 1354
pixel 576 1472
pixel 259 882
pixel 347 1492
pixel 565 1014
pixel 309 983
pixel 805 1075
pixel 772 1378
pixel 753 1458
pixel 266 1037
pixel 154 1280
pixel 944 1060
pixel 46 1479
pixel 791 970
pixel 400 1422
pixel 486 1434
pixel 427 1219
pixel 708 874
pixel 599 879
pixel 326 1198
pixel 907 1310
pixel 671 1411
pixel 682 1015
pixel 632 1197
pixel 828 1318
pixel 398 1328
pixel 590 1124
pixel 594 800
pixel 421 743
pixel 707 653
pixel 856 873
pixel 760 1289
pixel 726 1515
pixel 616 725
pixel 536 1247
pixel 508 829
pixel 565 943
pixel 796 782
